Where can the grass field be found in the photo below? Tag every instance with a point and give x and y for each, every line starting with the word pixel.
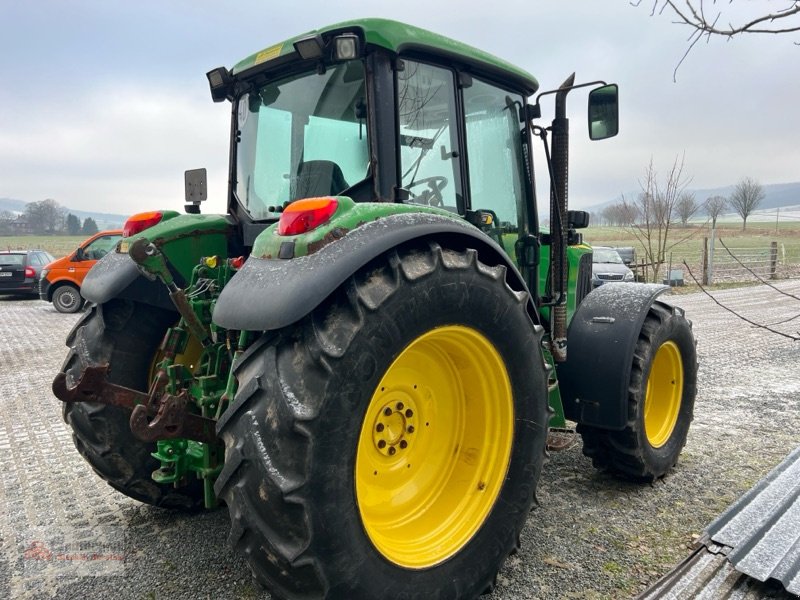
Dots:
pixel 689 246
pixel 690 239
pixel 57 245
pixel 686 244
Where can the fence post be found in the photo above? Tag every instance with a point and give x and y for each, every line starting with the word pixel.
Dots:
pixel 711 255
pixel 773 260
pixel 704 261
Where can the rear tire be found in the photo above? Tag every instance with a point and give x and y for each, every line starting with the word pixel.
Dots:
pixel 661 394
pixel 305 465
pixel 125 335
pixel 67 299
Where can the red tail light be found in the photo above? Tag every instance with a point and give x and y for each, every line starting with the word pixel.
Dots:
pixel 304 215
pixel 140 222
pixel 29 272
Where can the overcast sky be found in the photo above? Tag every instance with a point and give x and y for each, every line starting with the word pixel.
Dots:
pixel 104 104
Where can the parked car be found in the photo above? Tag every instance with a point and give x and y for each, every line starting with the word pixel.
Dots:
pixel 62 279
pixel 20 270
pixel 608 266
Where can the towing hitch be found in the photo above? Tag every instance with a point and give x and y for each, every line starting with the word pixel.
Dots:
pixel 164 418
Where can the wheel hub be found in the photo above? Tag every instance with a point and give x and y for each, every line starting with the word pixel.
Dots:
pixel 394 426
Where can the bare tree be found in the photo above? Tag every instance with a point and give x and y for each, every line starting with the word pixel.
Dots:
pixel 45 216
pixel 686 206
pixel 714 207
pixel 656 207
pixel 705 21
pixel 746 197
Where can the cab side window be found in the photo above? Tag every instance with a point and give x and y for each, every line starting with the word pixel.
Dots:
pixel 494 155
pixel 429 153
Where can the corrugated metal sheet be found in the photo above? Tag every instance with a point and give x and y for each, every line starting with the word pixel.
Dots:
pixel 752 550
pixel 708 575
pixel 762 528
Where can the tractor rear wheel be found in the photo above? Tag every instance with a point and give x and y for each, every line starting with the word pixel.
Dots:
pixel 126 336
pixel 389 444
pixel 661 395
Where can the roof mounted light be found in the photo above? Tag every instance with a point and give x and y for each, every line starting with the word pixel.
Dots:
pixel 221 82
pixel 310 47
pixel 345 46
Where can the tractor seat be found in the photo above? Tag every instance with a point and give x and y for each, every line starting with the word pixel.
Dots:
pixel 319 178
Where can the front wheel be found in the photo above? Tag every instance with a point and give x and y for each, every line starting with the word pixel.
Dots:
pixel 389 444
pixel 67 299
pixel 661 394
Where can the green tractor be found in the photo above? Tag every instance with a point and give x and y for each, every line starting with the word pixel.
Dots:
pixel 364 357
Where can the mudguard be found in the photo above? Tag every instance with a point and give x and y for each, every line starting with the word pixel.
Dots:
pixel 602 337
pixel 270 293
pixel 117 276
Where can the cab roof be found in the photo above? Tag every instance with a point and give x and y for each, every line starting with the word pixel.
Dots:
pixel 399 37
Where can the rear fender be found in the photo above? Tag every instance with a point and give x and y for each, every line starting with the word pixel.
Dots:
pixel 270 293
pixel 183 239
pixel 602 337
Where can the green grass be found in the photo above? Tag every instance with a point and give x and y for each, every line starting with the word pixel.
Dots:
pixel 690 239
pixel 57 245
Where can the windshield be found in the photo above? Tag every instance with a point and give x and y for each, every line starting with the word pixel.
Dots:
pixel 605 255
pixel 301 137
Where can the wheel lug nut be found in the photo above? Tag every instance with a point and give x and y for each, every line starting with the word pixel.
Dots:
pixel 403 443
pixel 387 411
pixel 399 406
pixel 379 428
pixel 392 450
pixel 409 413
pixel 381 444
pixel 410 429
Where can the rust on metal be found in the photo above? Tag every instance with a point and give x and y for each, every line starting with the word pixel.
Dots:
pixel 335 234
pixel 170 418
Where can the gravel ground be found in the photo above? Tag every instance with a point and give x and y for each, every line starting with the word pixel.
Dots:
pixel 592 536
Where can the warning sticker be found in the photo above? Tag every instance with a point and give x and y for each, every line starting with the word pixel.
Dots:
pixel 268 54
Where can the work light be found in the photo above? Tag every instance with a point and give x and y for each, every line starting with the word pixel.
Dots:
pixel 345 46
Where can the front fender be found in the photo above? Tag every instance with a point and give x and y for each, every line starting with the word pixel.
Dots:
pixel 270 293
pixel 602 337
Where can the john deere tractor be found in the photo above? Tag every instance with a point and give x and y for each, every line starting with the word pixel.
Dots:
pixel 363 357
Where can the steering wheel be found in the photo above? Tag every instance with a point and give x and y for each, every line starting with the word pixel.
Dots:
pixel 433 195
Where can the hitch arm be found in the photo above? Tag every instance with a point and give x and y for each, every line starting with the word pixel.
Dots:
pixel 169 417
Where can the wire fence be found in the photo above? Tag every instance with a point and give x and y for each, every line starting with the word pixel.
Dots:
pixel 718 262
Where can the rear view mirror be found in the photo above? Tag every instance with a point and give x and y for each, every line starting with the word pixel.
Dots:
pixel 195 189
pixel 604 112
pixel 577 219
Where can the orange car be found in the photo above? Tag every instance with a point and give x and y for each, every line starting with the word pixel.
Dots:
pixel 61 280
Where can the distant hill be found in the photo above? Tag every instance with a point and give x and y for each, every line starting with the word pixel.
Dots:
pixel 777 195
pixel 103 220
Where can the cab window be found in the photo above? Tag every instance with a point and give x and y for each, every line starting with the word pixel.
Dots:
pixel 494 156
pixel 429 152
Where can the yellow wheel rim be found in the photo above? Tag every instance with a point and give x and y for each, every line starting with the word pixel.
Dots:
pixel 434 447
pixel 664 393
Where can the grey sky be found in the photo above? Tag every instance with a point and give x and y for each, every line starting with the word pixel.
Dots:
pixel 104 104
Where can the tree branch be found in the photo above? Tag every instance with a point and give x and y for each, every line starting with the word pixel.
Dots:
pixel 733 312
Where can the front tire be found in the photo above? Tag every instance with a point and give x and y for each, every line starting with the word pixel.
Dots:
pixel 67 299
pixel 126 336
pixel 389 444
pixel 661 393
